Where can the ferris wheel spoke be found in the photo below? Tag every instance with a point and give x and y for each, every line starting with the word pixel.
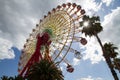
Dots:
pixel 75 38
pixel 58 19
pixel 24 61
pixel 62 25
pixel 58 25
pixel 67 48
pixel 60 57
pixel 66 31
pixel 66 26
pixel 62 48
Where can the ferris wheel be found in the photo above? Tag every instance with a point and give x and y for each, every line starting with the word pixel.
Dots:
pixel 54 34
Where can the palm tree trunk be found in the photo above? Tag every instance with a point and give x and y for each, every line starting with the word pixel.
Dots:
pixel 108 60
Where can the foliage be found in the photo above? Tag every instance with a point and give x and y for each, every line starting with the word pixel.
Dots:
pixel 12 78
pixel 45 70
pixel 92 29
pixel 94 26
pixel 110 50
pixel 5 78
pixel 117 64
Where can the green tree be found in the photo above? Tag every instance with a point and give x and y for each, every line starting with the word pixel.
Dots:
pixel 92 29
pixel 110 55
pixel 117 64
pixel 5 78
pixel 44 70
pixel 11 78
pixel 110 50
pixel 18 78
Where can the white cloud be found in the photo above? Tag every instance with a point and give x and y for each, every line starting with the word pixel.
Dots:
pixel 110 33
pixel 16 22
pixel 90 78
pixel 93 51
pixel 107 2
pixel 76 61
pixel 90 6
pixel 5 49
pixel 19 17
pixel 0 31
pixel 111 26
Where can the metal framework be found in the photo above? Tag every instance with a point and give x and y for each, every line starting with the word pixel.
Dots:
pixel 64 22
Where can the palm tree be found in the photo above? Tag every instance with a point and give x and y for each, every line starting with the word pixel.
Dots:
pixel 110 50
pixel 5 78
pixel 12 78
pixel 44 70
pixel 110 55
pixel 93 29
pixel 117 64
pixel 18 78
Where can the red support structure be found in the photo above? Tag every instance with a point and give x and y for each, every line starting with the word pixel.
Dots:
pixel 37 56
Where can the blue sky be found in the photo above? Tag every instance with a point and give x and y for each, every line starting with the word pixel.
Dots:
pixel 18 18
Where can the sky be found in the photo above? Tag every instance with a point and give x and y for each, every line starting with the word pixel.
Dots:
pixel 19 17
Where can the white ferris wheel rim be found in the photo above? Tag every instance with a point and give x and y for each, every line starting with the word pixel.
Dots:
pixel 64 22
